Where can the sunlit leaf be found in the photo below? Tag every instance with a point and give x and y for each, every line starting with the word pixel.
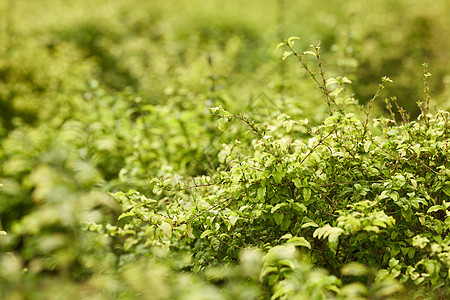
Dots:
pixel 166 228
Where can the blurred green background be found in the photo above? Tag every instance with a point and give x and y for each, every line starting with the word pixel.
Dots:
pixel 101 96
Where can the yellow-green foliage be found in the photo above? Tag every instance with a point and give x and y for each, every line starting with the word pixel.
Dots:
pixel 124 172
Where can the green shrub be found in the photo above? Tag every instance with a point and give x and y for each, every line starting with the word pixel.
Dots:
pixel 371 191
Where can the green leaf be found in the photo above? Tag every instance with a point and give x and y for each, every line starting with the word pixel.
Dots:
pixel 280 45
pixel 223 124
pixel 332 233
pixel 129 243
pixel 300 207
pixel 446 189
pixel 286 54
pixel 286 236
pixel 127 214
pixel 189 231
pixel 372 228
pixel 292 38
pixel 266 271
pixel 406 214
pixel 346 80
pixel 236 177
pixel 297 182
pixel 354 269
pixel 434 208
pixel 219 111
pixel 232 218
pixel 386 79
pixel 273 279
pixel 310 53
pixel 206 233
pixel 310 224
pixel 394 234
pixel 286 222
pixel 299 241
pixel 277 176
pixel 276 207
pixel 166 228
pixel 278 218
pixel 338 154
pixel 261 193
pixel 404 250
pixel 354 290
pixel 413 183
pixel 394 195
pixel 288 125
pixel 306 194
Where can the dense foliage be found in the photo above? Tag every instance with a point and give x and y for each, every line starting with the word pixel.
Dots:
pixel 152 154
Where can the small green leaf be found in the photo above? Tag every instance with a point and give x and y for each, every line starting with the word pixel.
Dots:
pixel 292 38
pixel 127 214
pixel 286 223
pixel 406 214
pixel 166 228
pixel 394 195
pixel 286 54
pixel 223 124
pixel 446 189
pixel 354 290
pixel 278 218
pixel 219 111
pixel 434 208
pixel 306 194
pixel 286 236
pixel 354 269
pixel 233 218
pixel 413 183
pixel 214 110
pixel 310 53
pixel 297 182
pixel 310 224
pixel 299 241
pixel 393 262
pixel 189 231
pixel 338 154
pixel 288 125
pixel 386 79
pixel 372 228
pixel 332 233
pixel 420 242
pixel 261 193
pixel 236 177
pixel 266 271
pixel 300 207
pixel 273 279
pixel 277 176
pixel 280 45
pixel 394 234
pixel 206 233
pixel 404 250
pixel 346 80
pixel 278 206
